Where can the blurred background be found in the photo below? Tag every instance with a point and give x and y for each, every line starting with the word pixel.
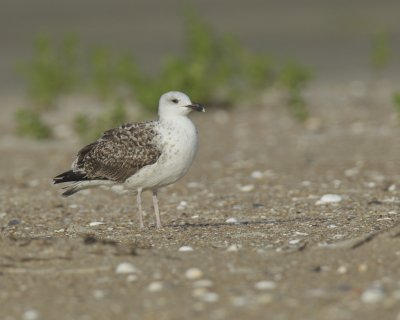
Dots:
pixel 223 53
pixel 334 37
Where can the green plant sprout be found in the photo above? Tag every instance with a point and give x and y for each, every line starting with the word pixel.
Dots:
pixel 89 129
pixel 380 53
pixel 293 78
pixel 52 71
pixel 396 101
pixel 30 124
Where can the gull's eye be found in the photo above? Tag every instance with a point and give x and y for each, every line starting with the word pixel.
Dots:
pixel 175 100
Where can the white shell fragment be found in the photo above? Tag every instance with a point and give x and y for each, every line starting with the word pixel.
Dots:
pixel 246 188
pixel 30 314
pixel 329 198
pixel 182 205
pixel 232 248
pixel 193 274
pixel 185 249
pixel 257 175
pixel 95 223
pixel 373 295
pixel 203 283
pixel 125 267
pixel 265 285
pixel 232 220
pixel 155 286
pixel 210 297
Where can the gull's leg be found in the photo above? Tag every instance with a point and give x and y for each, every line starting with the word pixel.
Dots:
pixel 139 203
pixel 156 211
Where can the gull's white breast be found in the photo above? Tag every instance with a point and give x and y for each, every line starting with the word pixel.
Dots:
pixel 179 141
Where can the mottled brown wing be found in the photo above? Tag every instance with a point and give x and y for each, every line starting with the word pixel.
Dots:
pixel 120 152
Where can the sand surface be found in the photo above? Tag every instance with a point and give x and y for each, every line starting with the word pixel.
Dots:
pixel 264 247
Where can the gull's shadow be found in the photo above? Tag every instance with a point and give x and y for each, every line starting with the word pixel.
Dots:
pixel 241 223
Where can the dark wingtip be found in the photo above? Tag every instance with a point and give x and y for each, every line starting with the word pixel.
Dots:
pixel 70 176
pixel 70 192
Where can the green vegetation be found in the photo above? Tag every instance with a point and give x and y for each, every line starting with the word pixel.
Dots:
pixel 213 69
pixel 30 124
pixel 396 101
pixel 89 129
pixel 216 70
pixel 294 78
pixel 52 71
pixel 380 53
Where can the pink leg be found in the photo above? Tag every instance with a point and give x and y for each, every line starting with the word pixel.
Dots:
pixel 156 210
pixel 139 203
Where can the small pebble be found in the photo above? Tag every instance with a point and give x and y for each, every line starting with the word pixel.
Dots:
pixel 125 267
pixel 265 285
pixel 338 236
pixel 95 223
pixel 203 283
pixel 294 241
pixel 182 205
pixel 370 184
pixel 246 188
pixel 193 185
pixel 199 292
pixel 373 295
pixel 362 267
pixel 33 183
pixel 155 286
pixel 13 222
pixel 392 188
pixel 352 172
pixel 30 314
pixel 210 297
pixel 329 198
pixel 239 301
pixel 2 215
pixel 73 206
pixel 316 293
pixel 232 248
pixel 232 220
pixel 342 270
pixel 257 175
pixel 98 294
pixel 265 298
pixel 185 249
pixel 131 278
pixel 193 274
pixel 301 233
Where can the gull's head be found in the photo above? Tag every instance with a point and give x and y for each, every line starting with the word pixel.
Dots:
pixel 175 103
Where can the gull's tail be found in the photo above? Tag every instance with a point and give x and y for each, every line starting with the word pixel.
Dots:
pixel 71 176
pixel 78 180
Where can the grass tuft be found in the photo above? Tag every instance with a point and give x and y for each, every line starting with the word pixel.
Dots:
pixel 214 69
pixel 30 124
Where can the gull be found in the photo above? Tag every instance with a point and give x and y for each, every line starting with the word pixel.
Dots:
pixel 137 157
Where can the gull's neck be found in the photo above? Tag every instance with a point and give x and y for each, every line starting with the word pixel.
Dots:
pixel 168 118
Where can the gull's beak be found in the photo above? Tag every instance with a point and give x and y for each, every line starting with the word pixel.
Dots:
pixel 197 107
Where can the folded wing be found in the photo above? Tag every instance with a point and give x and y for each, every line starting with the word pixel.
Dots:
pixel 117 155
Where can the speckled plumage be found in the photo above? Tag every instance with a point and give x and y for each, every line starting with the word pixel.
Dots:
pixel 120 152
pixel 139 156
